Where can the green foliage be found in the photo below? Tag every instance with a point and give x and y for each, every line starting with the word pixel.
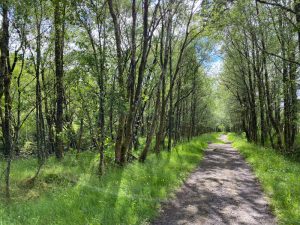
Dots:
pixel 29 147
pixel 68 192
pixel 279 177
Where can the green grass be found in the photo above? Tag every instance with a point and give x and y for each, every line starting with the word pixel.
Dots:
pixel 280 178
pixel 68 192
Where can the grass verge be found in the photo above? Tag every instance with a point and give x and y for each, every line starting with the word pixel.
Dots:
pixel 280 178
pixel 68 192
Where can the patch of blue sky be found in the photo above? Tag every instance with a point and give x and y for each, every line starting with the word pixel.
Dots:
pixel 210 56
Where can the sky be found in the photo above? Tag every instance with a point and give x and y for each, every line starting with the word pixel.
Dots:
pixel 210 56
pixel 215 66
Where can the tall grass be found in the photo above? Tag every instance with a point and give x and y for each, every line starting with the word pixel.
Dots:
pixel 68 192
pixel 280 178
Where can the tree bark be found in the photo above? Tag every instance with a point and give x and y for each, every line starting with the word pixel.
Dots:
pixel 59 39
pixel 5 76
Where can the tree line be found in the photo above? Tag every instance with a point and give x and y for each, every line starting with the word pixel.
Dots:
pixel 261 71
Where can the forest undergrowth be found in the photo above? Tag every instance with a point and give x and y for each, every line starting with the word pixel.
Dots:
pixel 70 192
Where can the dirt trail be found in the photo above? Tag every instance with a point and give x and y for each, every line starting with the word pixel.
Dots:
pixel 222 190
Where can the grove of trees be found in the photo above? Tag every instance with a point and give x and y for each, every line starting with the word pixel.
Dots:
pixel 120 78
pixel 261 71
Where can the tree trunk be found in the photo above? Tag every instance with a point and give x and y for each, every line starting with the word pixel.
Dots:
pixel 59 36
pixel 5 76
pixel 38 107
pixel 144 153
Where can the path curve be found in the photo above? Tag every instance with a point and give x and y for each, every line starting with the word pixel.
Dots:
pixel 222 190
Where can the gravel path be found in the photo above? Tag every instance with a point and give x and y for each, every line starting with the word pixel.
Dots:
pixel 222 190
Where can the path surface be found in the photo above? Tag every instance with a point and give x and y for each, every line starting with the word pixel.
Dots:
pixel 222 190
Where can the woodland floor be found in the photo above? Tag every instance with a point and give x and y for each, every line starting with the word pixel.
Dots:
pixel 222 190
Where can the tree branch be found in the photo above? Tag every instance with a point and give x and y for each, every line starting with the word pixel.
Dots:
pixel 277 5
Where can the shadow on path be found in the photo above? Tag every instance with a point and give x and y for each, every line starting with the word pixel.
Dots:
pixel 222 190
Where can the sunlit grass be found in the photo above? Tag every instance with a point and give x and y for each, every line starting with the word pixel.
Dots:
pixel 68 192
pixel 280 178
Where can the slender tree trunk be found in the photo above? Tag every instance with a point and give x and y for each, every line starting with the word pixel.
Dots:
pixel 165 61
pixel 5 76
pixel 18 123
pixel 111 109
pixel 101 119
pixel 50 141
pixel 59 36
pixel 130 90
pixel 297 10
pixel 119 155
pixel 293 101
pixel 39 110
pixel 171 113
pixel 150 134
pixel 79 142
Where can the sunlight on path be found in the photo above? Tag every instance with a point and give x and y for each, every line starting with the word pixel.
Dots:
pixel 222 190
